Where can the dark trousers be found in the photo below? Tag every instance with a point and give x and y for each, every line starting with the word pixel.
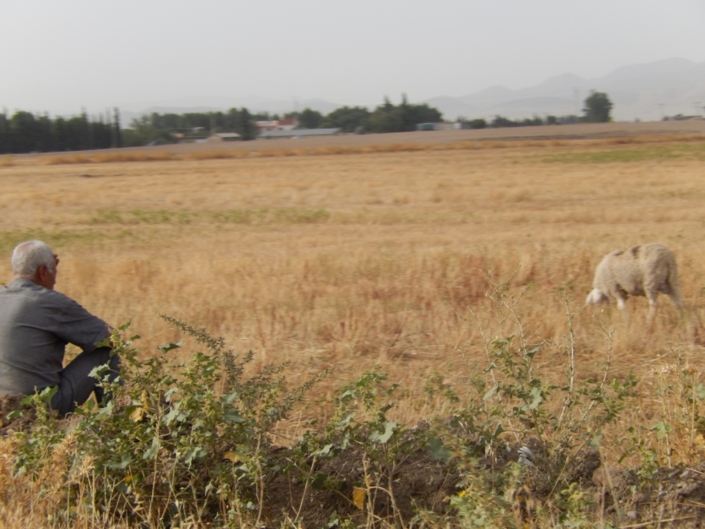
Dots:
pixel 76 385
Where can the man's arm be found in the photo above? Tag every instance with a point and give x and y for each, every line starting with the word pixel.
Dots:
pixel 74 324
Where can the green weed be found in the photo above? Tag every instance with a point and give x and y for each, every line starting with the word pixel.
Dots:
pixel 173 217
pixel 56 238
pixel 639 154
pixel 184 443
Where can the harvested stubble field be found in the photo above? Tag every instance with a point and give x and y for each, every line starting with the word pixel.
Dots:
pixel 406 258
pixel 363 259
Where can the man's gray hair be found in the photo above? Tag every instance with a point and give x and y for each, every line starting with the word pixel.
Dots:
pixel 28 256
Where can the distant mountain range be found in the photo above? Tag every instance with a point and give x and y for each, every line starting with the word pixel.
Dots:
pixel 641 91
pixel 647 92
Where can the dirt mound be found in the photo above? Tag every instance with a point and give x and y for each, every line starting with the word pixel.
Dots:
pixel 415 481
pixel 675 496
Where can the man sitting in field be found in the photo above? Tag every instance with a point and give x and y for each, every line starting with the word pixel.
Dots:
pixel 36 323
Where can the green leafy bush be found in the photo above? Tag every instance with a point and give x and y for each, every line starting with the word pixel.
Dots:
pixel 177 443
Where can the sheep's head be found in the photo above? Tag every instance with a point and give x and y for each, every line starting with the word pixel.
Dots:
pixel 596 296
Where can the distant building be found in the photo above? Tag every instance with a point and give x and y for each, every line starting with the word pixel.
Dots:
pixel 439 126
pixel 223 136
pixel 277 124
pixel 263 126
pixel 288 124
pixel 298 133
pixel 197 134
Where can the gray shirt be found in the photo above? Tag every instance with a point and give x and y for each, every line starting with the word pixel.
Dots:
pixel 35 325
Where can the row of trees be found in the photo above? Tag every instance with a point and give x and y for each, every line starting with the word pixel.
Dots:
pixel 387 117
pixel 162 127
pixel 502 121
pixel 26 132
pixel 597 109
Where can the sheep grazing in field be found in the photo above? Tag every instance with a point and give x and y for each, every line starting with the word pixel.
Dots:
pixel 642 270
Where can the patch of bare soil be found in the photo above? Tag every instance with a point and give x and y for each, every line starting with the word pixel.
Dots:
pixel 416 481
pixel 673 497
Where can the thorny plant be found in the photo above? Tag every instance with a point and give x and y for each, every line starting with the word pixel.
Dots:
pixel 178 444
pixel 360 426
pixel 508 405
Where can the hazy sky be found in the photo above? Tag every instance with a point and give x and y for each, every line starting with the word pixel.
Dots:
pixel 61 56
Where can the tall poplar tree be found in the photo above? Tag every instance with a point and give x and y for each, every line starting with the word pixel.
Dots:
pixel 117 136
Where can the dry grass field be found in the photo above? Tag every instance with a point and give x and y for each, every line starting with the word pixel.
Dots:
pixel 359 259
pixel 407 258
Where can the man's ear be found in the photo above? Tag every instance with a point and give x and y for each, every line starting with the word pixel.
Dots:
pixel 43 277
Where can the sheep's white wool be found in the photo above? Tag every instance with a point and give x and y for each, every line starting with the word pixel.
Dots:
pixel 642 270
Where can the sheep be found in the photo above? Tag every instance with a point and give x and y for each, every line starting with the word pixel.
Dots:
pixel 642 270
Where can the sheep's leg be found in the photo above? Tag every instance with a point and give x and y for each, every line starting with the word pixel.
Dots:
pixel 652 296
pixel 620 295
pixel 651 289
pixel 673 291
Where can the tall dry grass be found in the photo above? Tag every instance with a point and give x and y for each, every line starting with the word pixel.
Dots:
pixel 378 256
